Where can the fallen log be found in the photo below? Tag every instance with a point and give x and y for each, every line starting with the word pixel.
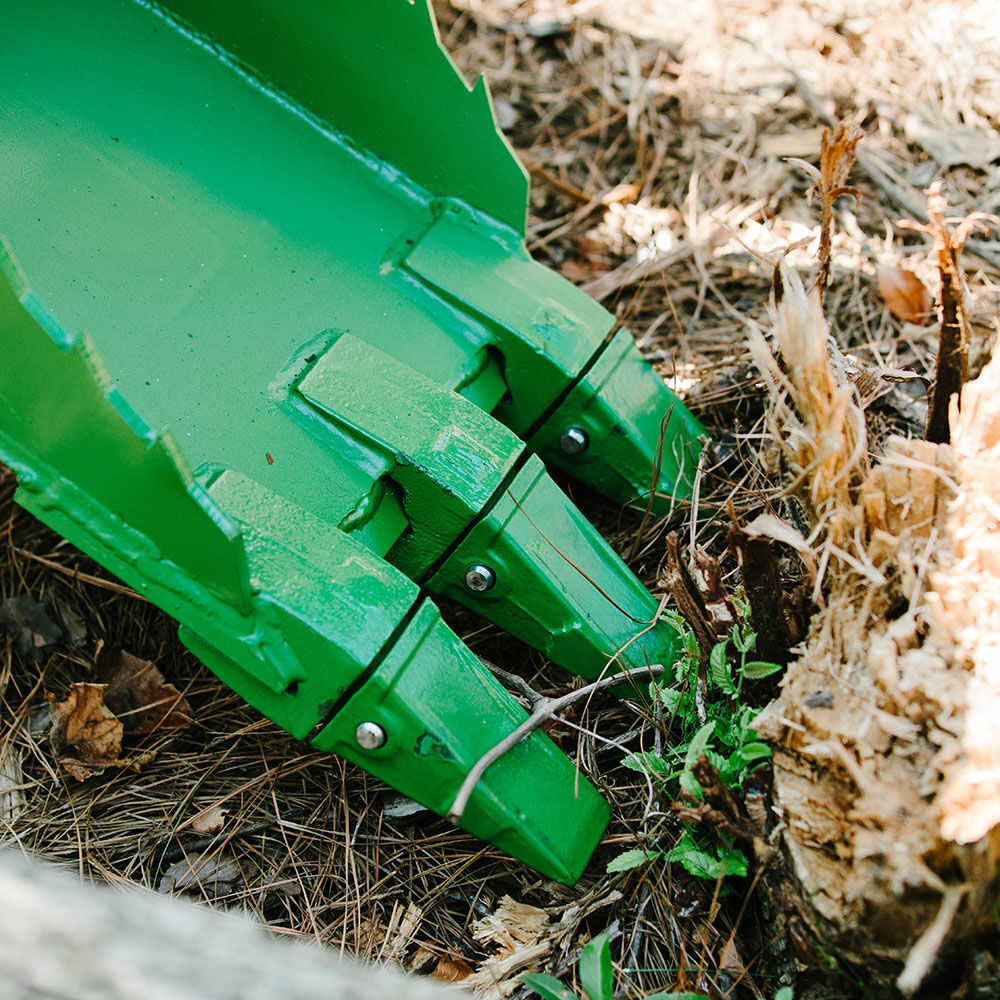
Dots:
pixel 66 940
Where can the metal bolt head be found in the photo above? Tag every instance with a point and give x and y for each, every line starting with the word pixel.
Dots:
pixel 479 578
pixel 370 735
pixel 573 440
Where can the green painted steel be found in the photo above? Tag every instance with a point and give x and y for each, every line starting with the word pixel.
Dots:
pixel 286 367
pixel 444 457
pixel 443 712
pixel 374 72
pixel 654 441
pixel 540 546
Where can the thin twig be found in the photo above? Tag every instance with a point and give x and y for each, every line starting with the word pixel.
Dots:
pixel 544 710
pixel 513 681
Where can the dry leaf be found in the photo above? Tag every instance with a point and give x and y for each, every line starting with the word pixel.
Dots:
pixel 209 821
pixel 85 734
pixel 450 970
pixel 212 876
pixel 70 620
pixel 905 295
pixel 730 961
pixel 140 696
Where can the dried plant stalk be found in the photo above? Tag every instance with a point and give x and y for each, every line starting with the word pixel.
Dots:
pixel 759 571
pixel 838 151
pixel 953 348
pixel 816 419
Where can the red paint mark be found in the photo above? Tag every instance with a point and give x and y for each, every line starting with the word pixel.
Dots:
pixel 269 457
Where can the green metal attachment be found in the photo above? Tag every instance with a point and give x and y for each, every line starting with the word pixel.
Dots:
pixel 319 378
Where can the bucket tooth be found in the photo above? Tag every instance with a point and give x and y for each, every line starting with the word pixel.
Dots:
pixel 473 495
pixel 427 714
pixel 579 393
pixel 621 431
pixel 317 379
pixel 555 583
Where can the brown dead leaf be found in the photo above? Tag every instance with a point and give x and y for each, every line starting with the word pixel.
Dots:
pixel 25 619
pixel 85 734
pixel 209 821
pixel 140 696
pixel 904 294
pixel 450 970
pixel 730 961
pixel 212 876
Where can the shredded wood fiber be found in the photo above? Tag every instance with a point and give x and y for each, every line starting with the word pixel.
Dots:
pixel 887 760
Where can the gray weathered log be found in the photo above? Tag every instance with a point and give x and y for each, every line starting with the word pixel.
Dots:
pixel 61 939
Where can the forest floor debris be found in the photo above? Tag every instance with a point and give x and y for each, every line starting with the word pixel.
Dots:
pixel 658 134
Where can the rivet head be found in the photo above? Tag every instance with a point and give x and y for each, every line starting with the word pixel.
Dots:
pixel 370 735
pixel 573 440
pixel 479 578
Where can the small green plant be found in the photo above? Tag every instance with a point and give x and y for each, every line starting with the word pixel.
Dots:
pixel 713 723
pixel 596 974
pixel 597 978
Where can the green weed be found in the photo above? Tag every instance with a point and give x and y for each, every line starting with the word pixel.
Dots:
pixel 596 973
pixel 715 723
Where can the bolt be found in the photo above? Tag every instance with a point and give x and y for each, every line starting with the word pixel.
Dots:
pixel 479 578
pixel 573 440
pixel 370 735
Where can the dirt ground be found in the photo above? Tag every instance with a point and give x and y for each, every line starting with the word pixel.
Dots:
pixel 659 136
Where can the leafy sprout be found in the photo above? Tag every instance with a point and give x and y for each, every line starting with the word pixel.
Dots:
pixel 725 737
